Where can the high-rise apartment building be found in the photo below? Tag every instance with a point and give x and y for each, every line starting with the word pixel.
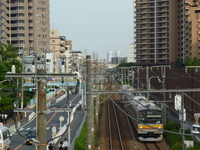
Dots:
pixel 166 30
pixel 25 24
pixel 95 55
pixel 109 56
pixel 117 54
pixel 131 53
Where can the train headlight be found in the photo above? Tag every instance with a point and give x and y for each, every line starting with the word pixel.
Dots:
pixel 159 127
pixel 140 127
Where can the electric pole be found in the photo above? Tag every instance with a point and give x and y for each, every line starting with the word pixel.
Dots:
pixel 41 111
pixel 90 112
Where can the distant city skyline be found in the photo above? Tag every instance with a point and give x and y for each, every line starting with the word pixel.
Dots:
pixel 94 26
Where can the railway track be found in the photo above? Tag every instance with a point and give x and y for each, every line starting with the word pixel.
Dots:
pixel 151 145
pixel 117 132
pixel 115 138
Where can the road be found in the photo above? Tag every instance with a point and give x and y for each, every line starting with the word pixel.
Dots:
pixel 18 142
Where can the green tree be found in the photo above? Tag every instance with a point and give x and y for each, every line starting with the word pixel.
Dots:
pixel 178 64
pixel 195 61
pixel 126 64
pixel 9 55
pixel 188 61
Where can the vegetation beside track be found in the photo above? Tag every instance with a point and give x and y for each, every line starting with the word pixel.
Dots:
pixel 81 141
pixel 174 140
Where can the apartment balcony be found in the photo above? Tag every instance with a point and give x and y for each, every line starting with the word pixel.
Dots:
pixel 30 31
pixel 4 34
pixel 144 12
pixel 30 24
pixel 62 50
pixel 144 43
pixel 62 43
pixel 30 38
pixel 144 27
pixel 30 11
pixel 4 3
pixel 17 24
pixel 3 15
pixel 142 3
pixel 15 18
pixel 5 23
pixel 17 4
pixel 5 29
pixel 4 8
pixel 17 11
pixel 142 33
pixel 17 38
pixel 144 22
pixel 144 17
pixel 30 17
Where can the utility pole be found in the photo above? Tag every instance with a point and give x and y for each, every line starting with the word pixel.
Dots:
pixel 138 80
pixel 122 80
pixel 96 68
pixel 147 82
pixel 132 76
pixel 90 112
pixel 41 111
pixel 182 123
pixel 164 95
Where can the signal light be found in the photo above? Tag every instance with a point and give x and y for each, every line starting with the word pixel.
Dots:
pixel 32 90
pixel 50 90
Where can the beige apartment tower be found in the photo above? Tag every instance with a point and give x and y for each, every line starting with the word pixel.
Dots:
pixel 166 30
pixel 25 24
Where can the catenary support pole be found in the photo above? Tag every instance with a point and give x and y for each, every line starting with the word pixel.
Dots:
pixel 41 112
pixel 182 123
pixel 90 112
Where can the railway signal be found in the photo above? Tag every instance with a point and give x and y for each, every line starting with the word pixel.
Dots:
pixel 51 90
pixel 32 89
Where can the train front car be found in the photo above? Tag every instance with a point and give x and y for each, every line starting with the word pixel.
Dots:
pixel 150 120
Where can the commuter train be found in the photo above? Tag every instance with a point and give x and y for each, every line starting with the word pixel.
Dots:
pixel 148 117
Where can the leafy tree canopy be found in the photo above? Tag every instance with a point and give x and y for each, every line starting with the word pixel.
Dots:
pixel 8 57
pixel 126 64
pixel 195 61
pixel 188 61
pixel 178 64
pixel 8 52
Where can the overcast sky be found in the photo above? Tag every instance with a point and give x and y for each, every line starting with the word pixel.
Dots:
pixel 94 26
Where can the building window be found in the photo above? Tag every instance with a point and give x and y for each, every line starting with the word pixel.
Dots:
pixel 21 21
pixel 21 7
pixel 21 1
pixel 48 60
pixel 21 14
pixel 21 28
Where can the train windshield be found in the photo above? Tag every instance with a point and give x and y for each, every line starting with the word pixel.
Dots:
pixel 150 116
